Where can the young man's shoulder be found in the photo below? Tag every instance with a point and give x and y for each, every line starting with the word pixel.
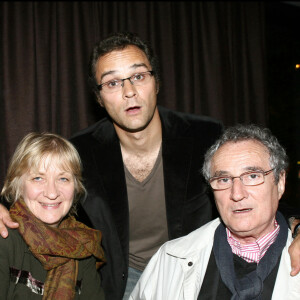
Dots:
pixel 100 131
pixel 190 117
pixel 190 124
pixel 88 130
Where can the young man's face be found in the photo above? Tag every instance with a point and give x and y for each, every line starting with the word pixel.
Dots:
pixel 132 107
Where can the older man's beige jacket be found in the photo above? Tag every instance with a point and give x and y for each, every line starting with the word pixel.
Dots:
pixel 177 270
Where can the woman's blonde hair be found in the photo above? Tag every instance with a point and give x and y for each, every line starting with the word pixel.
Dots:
pixel 28 156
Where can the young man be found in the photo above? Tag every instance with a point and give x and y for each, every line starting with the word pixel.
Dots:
pixel 140 164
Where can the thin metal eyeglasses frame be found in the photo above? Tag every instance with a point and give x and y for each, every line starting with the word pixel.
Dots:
pixel 265 173
pixel 99 87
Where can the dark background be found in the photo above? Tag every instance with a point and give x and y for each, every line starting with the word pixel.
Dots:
pixel 231 60
pixel 283 53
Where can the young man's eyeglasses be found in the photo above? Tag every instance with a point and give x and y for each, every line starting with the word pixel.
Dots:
pixel 116 85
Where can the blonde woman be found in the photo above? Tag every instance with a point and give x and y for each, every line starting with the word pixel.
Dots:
pixel 50 255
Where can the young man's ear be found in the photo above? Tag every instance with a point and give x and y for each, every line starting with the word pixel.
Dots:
pixel 99 100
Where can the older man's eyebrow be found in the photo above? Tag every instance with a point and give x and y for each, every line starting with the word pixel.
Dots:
pixel 221 173
pixel 253 168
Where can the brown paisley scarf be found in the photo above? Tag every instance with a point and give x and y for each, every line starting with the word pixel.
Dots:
pixel 58 249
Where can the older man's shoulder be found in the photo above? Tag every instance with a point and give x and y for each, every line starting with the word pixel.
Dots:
pixel 184 246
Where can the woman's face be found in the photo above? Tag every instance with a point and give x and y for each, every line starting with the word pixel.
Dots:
pixel 49 191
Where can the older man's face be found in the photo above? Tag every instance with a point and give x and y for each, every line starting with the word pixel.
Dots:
pixel 248 211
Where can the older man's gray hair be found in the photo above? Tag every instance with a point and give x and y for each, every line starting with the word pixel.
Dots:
pixel 238 133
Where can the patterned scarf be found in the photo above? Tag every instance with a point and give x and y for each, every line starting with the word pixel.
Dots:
pixel 251 285
pixel 58 249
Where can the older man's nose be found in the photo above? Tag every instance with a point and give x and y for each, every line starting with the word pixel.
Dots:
pixel 238 190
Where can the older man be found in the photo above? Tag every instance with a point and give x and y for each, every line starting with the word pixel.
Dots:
pixel 243 255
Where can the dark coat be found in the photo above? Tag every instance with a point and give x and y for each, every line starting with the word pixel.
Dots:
pixel 185 138
pixel 14 253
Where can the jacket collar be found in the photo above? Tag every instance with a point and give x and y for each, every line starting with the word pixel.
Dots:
pixel 191 244
pixel 177 148
pixel 110 169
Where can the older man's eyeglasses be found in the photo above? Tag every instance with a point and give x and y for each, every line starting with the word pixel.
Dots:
pixel 116 85
pixel 252 178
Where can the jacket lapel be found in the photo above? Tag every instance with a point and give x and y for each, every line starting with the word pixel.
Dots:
pixel 176 152
pixel 177 159
pixel 109 162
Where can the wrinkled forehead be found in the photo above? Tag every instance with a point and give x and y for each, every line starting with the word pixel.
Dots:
pixel 241 156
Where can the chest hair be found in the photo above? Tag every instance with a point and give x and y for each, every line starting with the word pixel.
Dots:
pixel 140 165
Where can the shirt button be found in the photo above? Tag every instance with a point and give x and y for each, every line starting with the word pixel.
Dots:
pixel 190 264
pixel 123 276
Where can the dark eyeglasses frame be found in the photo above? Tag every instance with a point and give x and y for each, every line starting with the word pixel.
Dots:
pixel 99 87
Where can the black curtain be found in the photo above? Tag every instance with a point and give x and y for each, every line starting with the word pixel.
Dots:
pixel 283 85
pixel 212 57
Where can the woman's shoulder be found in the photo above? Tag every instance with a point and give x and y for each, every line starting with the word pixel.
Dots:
pixel 14 239
pixel 89 280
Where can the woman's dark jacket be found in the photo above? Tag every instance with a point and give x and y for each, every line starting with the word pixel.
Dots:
pixel 21 274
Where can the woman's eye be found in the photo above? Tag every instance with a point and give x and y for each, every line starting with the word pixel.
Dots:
pixel 37 178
